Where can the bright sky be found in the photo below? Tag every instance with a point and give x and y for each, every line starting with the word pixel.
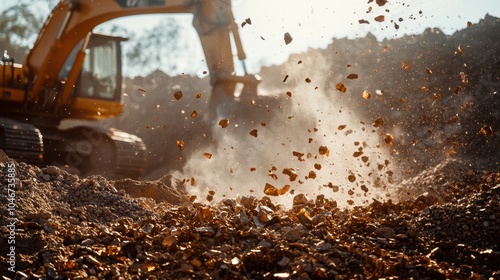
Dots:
pixel 314 23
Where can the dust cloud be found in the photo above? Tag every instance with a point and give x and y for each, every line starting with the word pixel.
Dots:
pixel 344 121
pixel 304 140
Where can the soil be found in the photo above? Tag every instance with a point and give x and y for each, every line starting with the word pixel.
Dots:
pixel 445 226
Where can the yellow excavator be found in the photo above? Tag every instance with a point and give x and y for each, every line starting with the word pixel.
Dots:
pixel 72 73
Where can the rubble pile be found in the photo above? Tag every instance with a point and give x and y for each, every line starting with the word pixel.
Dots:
pixel 88 228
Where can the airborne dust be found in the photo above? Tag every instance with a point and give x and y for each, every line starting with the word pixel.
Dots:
pixel 344 122
pixel 300 140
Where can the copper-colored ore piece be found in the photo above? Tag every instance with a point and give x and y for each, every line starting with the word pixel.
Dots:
pixel 340 87
pixel 178 95
pixel 323 150
pixel 180 144
pixel 253 133
pixel 224 123
pixel 366 95
pixel 288 38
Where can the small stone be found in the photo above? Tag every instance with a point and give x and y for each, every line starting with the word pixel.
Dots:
pixel 284 262
pixel 169 241
pixel 401 236
pixel 205 231
pixel 320 273
pixel 52 170
pixel 263 216
pixel 196 263
pixel 282 275
pixel 63 210
pixel 78 209
pixel 31 225
pixel 257 222
pixel 300 199
pixel 293 235
pixel 305 219
pixel 50 271
pixel 264 243
pixel 235 261
pixel 248 201
pixel 92 260
pixel 385 232
pixel 323 246
pixel 229 202
pixel 48 228
pixel 73 220
pixel 436 253
pixel 303 276
pixel 41 215
pixel 147 228
pixel 187 268
pixel 88 241
pixel 205 213
pixel 244 218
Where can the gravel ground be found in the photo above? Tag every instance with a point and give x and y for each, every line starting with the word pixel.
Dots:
pixel 445 226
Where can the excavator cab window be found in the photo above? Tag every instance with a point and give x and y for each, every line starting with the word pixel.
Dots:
pixel 101 70
pixel 100 75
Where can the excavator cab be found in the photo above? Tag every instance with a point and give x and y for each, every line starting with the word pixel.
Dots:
pixel 97 91
pixel 100 76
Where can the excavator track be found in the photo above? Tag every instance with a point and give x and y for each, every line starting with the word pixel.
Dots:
pixel 21 141
pixel 131 154
pixel 84 150
pixel 96 151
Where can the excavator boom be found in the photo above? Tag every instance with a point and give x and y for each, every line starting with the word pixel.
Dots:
pixel 71 73
pixel 71 21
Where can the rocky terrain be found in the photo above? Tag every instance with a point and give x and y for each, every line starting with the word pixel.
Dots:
pixel 90 228
pixel 430 100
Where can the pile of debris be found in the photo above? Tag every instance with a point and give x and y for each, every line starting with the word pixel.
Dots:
pixel 90 228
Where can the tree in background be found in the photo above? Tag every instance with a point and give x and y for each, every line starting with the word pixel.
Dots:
pixel 156 48
pixel 171 45
pixel 20 25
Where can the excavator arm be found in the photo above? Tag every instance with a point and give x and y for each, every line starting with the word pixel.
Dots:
pixel 72 21
pixel 71 73
pixel 215 24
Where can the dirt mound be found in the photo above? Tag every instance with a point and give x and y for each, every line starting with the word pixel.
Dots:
pixel 75 228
